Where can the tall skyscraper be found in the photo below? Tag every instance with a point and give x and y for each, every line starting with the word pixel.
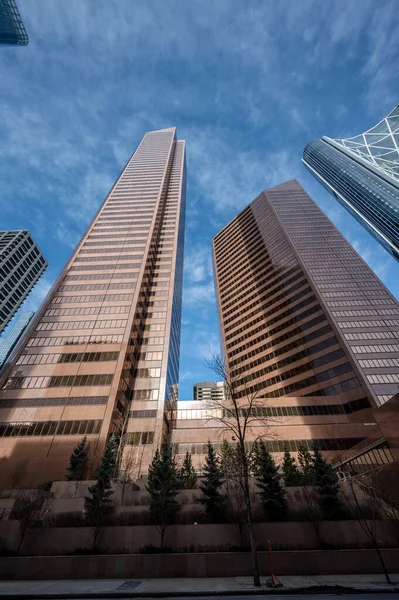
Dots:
pixel 305 324
pixel 209 391
pixel 8 342
pixel 362 173
pixel 12 29
pixel 21 265
pixel 102 356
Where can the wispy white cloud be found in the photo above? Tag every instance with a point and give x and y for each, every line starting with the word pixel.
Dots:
pixel 246 83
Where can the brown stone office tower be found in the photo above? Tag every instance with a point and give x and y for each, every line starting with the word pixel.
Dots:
pixel 305 323
pixel 102 354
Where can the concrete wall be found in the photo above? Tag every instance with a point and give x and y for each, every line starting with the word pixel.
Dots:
pixel 323 562
pixel 126 539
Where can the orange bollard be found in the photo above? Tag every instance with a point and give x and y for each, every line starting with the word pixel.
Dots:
pixel 273 582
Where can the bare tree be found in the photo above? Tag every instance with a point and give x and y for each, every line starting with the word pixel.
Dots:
pixel 384 489
pixel 126 469
pixel 18 474
pixel 238 414
pixel 366 511
pixel 234 486
pixel 311 502
pixel 35 507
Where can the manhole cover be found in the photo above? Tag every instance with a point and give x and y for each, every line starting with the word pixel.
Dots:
pixel 130 585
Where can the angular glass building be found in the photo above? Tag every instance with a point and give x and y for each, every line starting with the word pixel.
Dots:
pixel 101 355
pixel 21 266
pixel 362 173
pixel 8 342
pixel 12 29
pixel 306 326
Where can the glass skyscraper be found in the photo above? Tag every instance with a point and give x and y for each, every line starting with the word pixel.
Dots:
pixel 21 266
pixel 305 325
pixel 362 173
pixel 102 353
pixel 12 29
pixel 8 342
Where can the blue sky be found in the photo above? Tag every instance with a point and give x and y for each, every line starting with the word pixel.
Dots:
pixel 247 83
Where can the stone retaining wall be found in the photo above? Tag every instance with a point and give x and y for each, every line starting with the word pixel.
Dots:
pixel 129 539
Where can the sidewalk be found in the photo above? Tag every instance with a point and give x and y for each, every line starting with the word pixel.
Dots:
pixel 122 588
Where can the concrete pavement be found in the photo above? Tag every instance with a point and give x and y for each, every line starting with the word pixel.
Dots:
pixel 239 586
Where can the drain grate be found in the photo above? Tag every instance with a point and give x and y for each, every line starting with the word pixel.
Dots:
pixel 130 585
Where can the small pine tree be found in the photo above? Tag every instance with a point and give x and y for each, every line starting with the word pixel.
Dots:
pixel 268 481
pixel 188 476
pixel 97 503
pixel 290 470
pixel 328 486
pixel 306 463
pixel 162 485
pixel 212 499
pixel 77 469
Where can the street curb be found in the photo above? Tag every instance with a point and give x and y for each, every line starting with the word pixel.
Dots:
pixel 263 591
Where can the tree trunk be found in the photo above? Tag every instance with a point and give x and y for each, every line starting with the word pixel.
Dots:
pixel 162 536
pixel 255 567
pixel 20 542
pixel 240 529
pixel 388 580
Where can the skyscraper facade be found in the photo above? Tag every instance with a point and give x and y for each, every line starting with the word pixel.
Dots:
pixel 12 29
pixel 8 342
pixel 102 354
pixel 21 266
pixel 362 173
pixel 306 325
pixel 211 391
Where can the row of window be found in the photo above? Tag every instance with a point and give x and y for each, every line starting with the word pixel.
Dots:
pixel 124 275
pixel 106 257
pixel 144 373
pixel 379 362
pixel 288 360
pixel 91 287
pixel 63 401
pixel 109 250
pixel 373 349
pixel 139 438
pixel 22 429
pixel 366 313
pixel 50 359
pixel 142 414
pixel 267 324
pixel 359 324
pixel 237 310
pixel 132 238
pixel 306 411
pixel 145 394
pixel 150 356
pixel 153 341
pixel 277 445
pixel 24 383
pixel 62 325
pixel 155 327
pixel 388 378
pixel 266 279
pixel 285 336
pixel 249 319
pixel 295 388
pixel 104 267
pixel 311 364
pixel 86 310
pixel 74 340
pixel 372 335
